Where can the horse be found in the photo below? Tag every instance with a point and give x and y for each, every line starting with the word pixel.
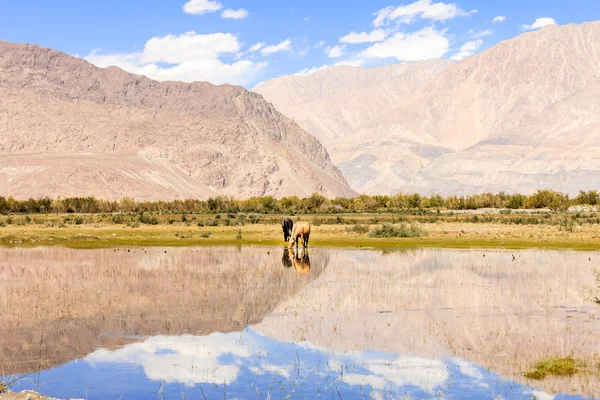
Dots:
pixel 287 226
pixel 301 230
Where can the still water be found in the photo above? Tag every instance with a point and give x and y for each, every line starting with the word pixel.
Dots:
pixel 255 322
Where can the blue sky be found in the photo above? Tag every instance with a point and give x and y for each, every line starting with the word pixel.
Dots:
pixel 246 42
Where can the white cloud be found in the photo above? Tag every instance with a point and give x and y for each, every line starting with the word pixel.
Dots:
pixel 467 50
pixel 377 35
pixel 421 45
pixel 539 23
pixel 286 45
pixel 477 34
pixel 319 44
pixel 424 9
pixel 257 46
pixel 176 49
pixel 192 57
pixel 411 371
pixel 335 51
pixel 499 19
pixel 186 359
pixel 199 7
pixel 235 14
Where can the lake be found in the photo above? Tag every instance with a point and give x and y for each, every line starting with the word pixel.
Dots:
pixel 241 322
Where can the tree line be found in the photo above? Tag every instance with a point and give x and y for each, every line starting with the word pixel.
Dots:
pixel 313 204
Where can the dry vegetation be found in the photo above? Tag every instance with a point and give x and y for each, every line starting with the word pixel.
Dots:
pixel 576 230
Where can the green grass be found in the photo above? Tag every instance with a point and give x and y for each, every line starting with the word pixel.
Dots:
pixel 567 366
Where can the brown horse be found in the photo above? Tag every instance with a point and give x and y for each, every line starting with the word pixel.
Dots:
pixel 301 230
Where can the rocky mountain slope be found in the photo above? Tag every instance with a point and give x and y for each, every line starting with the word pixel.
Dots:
pixel 517 117
pixel 68 128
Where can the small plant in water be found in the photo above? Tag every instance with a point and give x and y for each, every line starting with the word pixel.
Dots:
pixel 567 366
pixel 403 230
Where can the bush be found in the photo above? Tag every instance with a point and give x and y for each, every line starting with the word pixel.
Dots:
pixel 357 228
pixel 515 201
pixel 567 366
pixel 560 202
pixel 118 219
pixel 590 198
pixel 205 234
pixel 148 220
pixel 239 235
pixel 402 231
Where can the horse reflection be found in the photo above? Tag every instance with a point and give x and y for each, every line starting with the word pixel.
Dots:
pixel 300 262
pixel 286 260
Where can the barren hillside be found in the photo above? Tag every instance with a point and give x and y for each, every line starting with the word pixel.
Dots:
pixel 68 128
pixel 517 117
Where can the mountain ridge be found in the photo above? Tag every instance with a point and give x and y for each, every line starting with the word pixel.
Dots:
pixel 430 138
pixel 131 136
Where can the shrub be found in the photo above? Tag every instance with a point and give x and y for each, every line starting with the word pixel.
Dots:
pixel 357 228
pixel 590 198
pixel 560 202
pixel 566 366
pixel 414 201
pixel 515 201
pixel 148 220
pixel 238 236
pixel 403 231
pixel 205 234
pixel 566 225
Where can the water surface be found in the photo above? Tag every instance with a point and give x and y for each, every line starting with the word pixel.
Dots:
pixel 248 322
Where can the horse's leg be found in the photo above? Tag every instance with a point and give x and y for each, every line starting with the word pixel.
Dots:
pixel 307 237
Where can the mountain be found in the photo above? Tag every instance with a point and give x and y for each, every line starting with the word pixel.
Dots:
pixel 517 117
pixel 340 103
pixel 68 128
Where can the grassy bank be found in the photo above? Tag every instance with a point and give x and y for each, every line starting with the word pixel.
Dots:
pixel 553 231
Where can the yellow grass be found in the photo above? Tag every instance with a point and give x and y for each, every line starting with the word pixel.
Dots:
pixel 438 234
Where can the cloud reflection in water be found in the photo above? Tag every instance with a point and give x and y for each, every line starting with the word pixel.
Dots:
pixel 250 363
